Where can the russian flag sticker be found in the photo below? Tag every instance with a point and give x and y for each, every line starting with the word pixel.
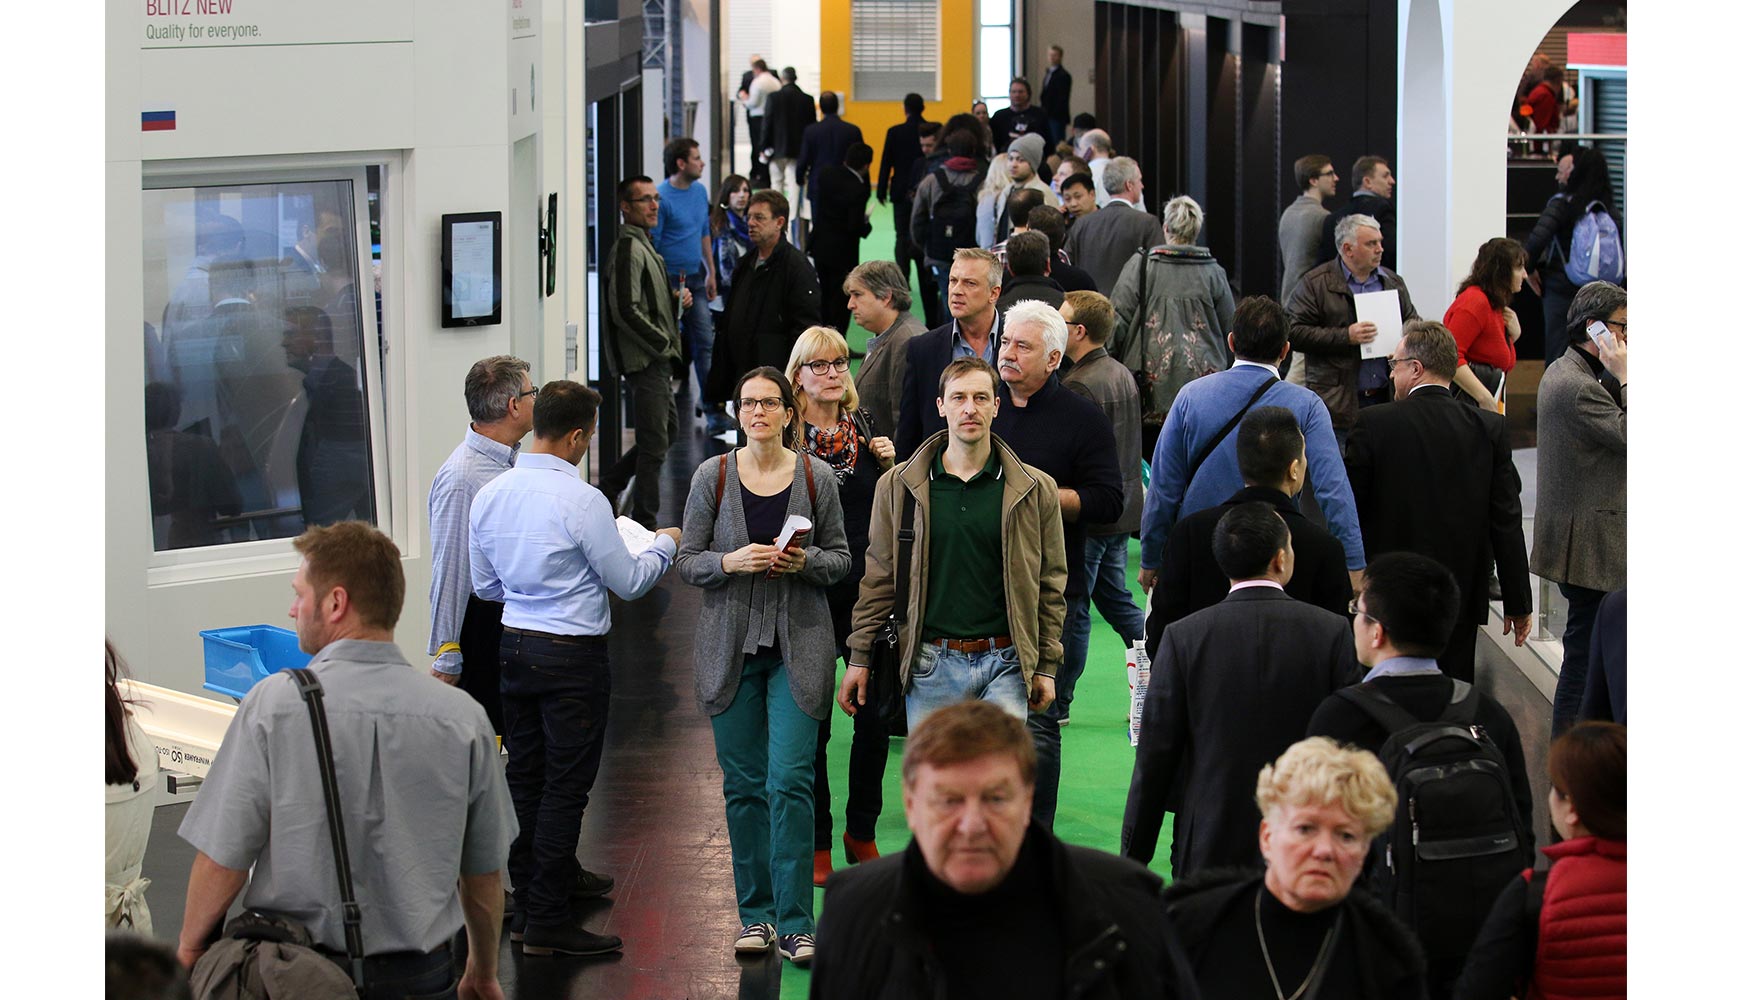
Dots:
pixel 157 121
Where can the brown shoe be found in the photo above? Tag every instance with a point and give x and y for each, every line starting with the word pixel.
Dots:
pixel 858 851
pixel 822 866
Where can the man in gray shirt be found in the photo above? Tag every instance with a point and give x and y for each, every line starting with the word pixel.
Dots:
pixel 428 816
pixel 1298 233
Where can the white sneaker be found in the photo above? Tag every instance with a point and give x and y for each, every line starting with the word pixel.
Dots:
pixel 798 948
pixel 756 938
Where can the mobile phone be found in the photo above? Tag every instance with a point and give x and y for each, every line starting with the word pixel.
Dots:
pixel 1598 332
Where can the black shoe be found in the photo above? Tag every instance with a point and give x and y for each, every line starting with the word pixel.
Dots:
pixel 589 885
pixel 567 941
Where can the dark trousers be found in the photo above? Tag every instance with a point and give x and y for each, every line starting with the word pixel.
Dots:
pixel 555 692
pixel 1459 660
pixel 1576 655
pixel 482 628
pixel 1046 727
pixel 404 975
pixel 906 252
pixel 939 273
pixel 833 268
pixel 758 174
pixel 1558 295
pixel 868 742
pixel 654 426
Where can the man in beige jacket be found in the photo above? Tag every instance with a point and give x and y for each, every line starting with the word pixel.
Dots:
pixel 984 616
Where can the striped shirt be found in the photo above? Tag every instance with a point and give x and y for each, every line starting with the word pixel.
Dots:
pixel 476 461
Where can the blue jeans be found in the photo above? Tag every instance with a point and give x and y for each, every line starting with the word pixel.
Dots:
pixel 942 677
pixel 765 745
pixel 697 332
pixel 1576 655
pixel 554 691
pixel 1108 564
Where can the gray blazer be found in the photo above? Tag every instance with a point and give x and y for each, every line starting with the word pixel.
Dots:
pixel 1298 236
pixel 1579 533
pixel 1109 385
pixel 881 378
pixel 1103 242
pixel 805 634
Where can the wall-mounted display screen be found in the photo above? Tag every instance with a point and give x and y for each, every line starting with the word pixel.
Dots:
pixel 473 262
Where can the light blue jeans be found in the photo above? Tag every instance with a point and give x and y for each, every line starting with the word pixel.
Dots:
pixel 943 677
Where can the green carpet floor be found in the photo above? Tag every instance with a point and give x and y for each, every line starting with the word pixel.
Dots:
pixel 1097 756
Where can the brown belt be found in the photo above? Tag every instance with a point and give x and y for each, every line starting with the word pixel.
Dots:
pixel 973 646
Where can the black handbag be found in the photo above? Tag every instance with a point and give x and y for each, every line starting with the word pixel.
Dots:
pixel 884 693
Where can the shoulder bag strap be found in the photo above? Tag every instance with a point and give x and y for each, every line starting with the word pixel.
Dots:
pixel 1388 714
pixel 1221 435
pixel 808 470
pixel 902 567
pixel 310 689
pixel 722 476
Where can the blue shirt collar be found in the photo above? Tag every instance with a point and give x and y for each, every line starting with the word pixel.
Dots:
pixel 504 455
pixel 542 460
pixel 1403 666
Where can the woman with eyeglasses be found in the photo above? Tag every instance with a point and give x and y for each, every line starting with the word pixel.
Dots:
pixel 836 430
pixel 764 654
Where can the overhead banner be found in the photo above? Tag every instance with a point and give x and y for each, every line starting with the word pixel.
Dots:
pixel 195 24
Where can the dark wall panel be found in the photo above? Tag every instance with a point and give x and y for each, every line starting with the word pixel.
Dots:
pixel 1255 269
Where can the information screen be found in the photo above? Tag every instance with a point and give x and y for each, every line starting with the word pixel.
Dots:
pixel 473 265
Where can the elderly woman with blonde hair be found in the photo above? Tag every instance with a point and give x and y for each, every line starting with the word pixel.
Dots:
pixel 1296 931
pixel 1175 309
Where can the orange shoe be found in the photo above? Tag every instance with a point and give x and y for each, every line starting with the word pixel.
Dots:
pixel 822 866
pixel 859 851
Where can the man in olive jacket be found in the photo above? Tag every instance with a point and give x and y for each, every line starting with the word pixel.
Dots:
pixel 643 340
pixel 981 516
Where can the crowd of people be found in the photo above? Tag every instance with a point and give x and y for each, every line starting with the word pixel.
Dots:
pixel 1324 523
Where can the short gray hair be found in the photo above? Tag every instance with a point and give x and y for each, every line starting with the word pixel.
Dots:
pixel 491 384
pixel 985 257
pixel 1184 220
pixel 1433 345
pixel 1048 321
pixel 1596 300
pixel 1120 171
pixel 1095 138
pixel 1347 225
pixel 882 279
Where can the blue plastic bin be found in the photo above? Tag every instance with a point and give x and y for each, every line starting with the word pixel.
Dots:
pixel 239 657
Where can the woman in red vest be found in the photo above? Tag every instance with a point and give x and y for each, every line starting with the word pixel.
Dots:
pixel 1562 932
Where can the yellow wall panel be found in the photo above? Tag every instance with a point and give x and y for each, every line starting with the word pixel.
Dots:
pixel 957 75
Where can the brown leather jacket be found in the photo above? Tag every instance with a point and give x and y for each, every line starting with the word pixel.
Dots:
pixel 1319 313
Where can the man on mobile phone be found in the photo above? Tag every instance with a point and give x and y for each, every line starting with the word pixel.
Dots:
pixel 1579 535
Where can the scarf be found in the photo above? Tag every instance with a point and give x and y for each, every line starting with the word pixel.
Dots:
pixel 836 447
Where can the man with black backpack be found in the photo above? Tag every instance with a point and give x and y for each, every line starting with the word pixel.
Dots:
pixel 1463 824
pixel 944 215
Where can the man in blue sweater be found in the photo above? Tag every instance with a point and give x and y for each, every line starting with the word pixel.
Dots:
pixel 1201 425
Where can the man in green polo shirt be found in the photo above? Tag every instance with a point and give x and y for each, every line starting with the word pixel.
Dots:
pixel 984 617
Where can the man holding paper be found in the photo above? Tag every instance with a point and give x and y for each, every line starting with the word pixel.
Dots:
pixel 1434 475
pixel 1346 315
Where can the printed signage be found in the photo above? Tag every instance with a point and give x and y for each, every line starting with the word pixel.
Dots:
pixel 187 24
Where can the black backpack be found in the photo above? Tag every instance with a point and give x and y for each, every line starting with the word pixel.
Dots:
pixel 1457 837
pixel 954 217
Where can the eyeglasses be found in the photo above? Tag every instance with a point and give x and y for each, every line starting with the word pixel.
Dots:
pixel 840 365
pixel 770 404
pixel 649 199
pixel 1391 363
pixel 1328 173
pixel 1355 609
pixel 528 392
pixel 1621 328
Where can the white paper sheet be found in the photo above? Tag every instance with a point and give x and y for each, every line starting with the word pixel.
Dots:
pixel 792 525
pixel 636 536
pixel 1380 309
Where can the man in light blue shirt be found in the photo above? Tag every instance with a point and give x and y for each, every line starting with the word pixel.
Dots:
pixel 1178 486
pixel 683 238
pixel 544 542
pixel 465 629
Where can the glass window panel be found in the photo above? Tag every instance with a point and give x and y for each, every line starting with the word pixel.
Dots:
pixel 994 11
pixel 256 417
pixel 995 66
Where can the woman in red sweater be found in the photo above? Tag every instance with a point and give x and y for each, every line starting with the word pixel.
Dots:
pixel 1562 932
pixel 1483 323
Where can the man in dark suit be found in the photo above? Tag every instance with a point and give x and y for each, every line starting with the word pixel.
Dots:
pixel 902 148
pixel 788 112
pixel 1433 474
pixel 332 462
pixel 1054 94
pixel 1272 455
pixel 1234 685
pixel 1374 184
pixel 840 223
pixel 975 282
pixel 824 145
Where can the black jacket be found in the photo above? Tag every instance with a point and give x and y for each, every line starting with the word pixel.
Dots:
pixel 1008 125
pixel 1190 580
pixel 1366 203
pixel 868 945
pixel 824 144
pixel 840 221
pixel 1390 960
pixel 1435 475
pixel 789 110
pixel 1054 95
pixel 768 307
pixel 1233 687
pixel 1032 287
pixel 899 151
pixel 1072 278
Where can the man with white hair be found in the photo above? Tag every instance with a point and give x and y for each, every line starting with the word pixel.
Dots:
pixel 1069 437
pixel 1095 146
pixel 1323 326
pixel 1103 242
